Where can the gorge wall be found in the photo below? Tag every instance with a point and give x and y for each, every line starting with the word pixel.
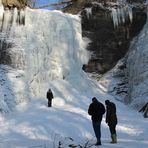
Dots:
pixel 137 69
pixel 109 44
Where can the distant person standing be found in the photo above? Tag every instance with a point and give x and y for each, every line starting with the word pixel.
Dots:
pixel 49 96
pixel 96 110
pixel 111 119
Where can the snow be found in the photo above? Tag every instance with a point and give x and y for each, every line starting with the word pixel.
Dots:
pixel 115 81
pixel 33 124
pixel 51 54
pixel 138 69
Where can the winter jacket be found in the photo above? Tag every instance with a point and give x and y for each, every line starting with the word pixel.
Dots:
pixel 111 117
pixel 49 95
pixel 96 110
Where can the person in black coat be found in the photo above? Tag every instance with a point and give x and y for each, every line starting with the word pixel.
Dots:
pixel 96 110
pixel 111 119
pixel 49 96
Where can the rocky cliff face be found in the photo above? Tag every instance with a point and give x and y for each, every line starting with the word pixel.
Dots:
pixel 108 44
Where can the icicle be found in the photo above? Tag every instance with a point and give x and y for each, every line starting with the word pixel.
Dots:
pixel 7 20
pixel 22 16
pixel 120 15
pixel 115 17
pixel 1 13
pixel 130 14
pixel 15 15
pixel 88 12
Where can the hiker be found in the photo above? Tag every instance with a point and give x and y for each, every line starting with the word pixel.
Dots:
pixel 96 110
pixel 49 96
pixel 144 109
pixel 111 119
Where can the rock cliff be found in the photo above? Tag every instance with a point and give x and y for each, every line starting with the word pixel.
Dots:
pixel 119 53
pixel 108 44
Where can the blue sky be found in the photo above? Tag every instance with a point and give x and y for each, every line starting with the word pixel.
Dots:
pixel 44 2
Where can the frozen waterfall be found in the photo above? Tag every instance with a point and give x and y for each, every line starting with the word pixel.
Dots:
pixel 46 47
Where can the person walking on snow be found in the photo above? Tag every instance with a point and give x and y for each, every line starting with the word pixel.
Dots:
pixel 49 96
pixel 111 119
pixel 96 110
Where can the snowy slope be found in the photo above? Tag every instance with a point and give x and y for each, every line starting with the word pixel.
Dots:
pixel 36 125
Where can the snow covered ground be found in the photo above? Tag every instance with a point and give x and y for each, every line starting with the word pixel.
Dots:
pixel 55 53
pixel 33 124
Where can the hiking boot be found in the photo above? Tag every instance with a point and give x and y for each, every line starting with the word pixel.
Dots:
pixel 98 143
pixel 114 138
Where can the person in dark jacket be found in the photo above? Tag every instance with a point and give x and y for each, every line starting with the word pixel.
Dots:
pixel 96 110
pixel 49 96
pixel 111 119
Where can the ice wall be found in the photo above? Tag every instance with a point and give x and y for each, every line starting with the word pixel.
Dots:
pixel 137 66
pixel 46 47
